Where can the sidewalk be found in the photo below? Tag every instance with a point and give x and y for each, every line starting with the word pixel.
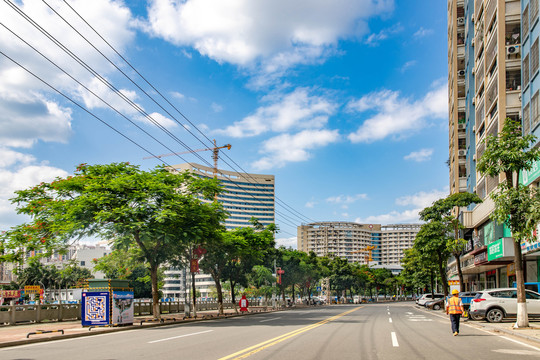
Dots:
pixel 19 334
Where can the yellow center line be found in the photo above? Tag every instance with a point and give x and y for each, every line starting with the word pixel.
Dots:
pixel 242 354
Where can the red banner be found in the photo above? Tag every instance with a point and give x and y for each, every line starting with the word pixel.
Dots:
pixel 194 268
pixel 9 293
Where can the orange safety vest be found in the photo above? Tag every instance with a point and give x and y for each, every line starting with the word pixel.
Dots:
pixel 454 305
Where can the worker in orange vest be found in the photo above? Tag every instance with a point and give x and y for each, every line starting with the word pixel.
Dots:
pixel 454 308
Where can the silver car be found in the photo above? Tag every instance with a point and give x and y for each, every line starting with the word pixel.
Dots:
pixel 496 304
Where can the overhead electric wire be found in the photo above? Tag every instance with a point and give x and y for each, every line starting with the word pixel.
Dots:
pixel 302 218
pixel 78 105
pixel 99 77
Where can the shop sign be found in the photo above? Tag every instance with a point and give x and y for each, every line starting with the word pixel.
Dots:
pixel 469 246
pixel 526 177
pixel 511 269
pixel 504 247
pixel 9 293
pixel 480 258
pixel 489 233
pixel 31 289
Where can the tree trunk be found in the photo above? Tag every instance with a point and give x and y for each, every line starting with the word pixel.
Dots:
pixel 459 271
pixel 233 297
pixel 155 291
pixel 219 295
pixel 194 295
pixel 443 276
pixel 522 316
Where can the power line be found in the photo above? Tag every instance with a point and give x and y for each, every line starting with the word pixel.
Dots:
pixel 99 77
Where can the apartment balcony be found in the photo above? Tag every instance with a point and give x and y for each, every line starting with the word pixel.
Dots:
pixel 461 104
pixel 461 52
pixel 491 9
pixel 512 11
pixel 479 214
pixel 513 100
pixel 462 184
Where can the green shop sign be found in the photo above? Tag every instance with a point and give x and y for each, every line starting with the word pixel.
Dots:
pixel 495 250
pixel 526 177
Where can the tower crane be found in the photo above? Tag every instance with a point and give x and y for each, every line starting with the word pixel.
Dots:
pixel 214 149
pixel 369 249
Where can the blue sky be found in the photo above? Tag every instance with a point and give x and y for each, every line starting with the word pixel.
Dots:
pixel 344 101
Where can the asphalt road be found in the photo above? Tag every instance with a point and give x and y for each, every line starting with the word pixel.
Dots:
pixel 374 331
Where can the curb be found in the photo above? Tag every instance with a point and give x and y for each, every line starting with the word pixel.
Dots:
pixel 486 326
pixel 129 327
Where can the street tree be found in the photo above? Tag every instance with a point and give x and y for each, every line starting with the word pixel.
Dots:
pixel 516 205
pixel 157 210
pixel 447 211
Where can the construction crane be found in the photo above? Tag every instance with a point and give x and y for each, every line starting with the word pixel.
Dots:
pixel 369 249
pixel 214 149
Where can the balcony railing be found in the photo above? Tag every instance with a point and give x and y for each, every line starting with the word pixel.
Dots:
pixel 491 8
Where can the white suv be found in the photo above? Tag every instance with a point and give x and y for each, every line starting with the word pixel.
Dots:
pixel 497 304
pixel 428 297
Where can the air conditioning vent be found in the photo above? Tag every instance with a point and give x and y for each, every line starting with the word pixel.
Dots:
pixel 461 72
pixel 513 50
pixel 462 152
pixel 461 21
pixel 461 126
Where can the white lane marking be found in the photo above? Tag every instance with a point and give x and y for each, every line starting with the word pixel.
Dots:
pixel 420 319
pixel 180 336
pixel 394 340
pixel 409 313
pixel 270 319
pixel 390 319
pixel 389 313
pixel 516 352
pixel 521 343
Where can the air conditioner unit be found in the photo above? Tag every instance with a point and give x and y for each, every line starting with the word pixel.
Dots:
pixel 462 152
pixel 461 126
pixel 512 50
pixel 461 72
pixel 461 21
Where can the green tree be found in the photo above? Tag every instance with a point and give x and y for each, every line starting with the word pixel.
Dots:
pixel 431 243
pixel 516 205
pixel 158 211
pixel 447 211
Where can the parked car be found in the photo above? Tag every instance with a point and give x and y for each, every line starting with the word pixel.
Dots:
pixel 437 304
pixel 427 297
pixel 494 305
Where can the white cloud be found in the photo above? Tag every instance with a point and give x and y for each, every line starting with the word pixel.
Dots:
pixel 397 116
pixel 19 171
pixel 217 108
pixel 266 31
pixel 422 199
pixel 296 110
pixel 420 33
pixel 27 118
pixel 310 204
pixel 160 119
pixel 408 65
pixel 29 110
pixel 375 39
pixel 420 155
pixel 346 199
pixel 285 148
pixel 177 95
pixel 417 201
pixel 290 242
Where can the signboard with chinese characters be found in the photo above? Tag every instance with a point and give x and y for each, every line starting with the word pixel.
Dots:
pixel 480 258
pixel 527 177
pixel 95 308
pixel 11 294
pixel 122 311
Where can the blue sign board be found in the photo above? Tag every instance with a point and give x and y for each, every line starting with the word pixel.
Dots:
pixel 319 288
pixel 95 308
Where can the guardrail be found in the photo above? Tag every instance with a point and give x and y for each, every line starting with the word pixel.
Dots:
pixel 13 314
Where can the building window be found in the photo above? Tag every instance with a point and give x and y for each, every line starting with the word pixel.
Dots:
pixel 525 71
pixel 525 22
pixel 534 110
pixel 526 120
pixel 534 11
pixel 82 263
pixel 534 58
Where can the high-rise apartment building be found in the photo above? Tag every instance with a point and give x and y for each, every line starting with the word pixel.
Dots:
pixel 489 43
pixel 245 196
pixel 355 242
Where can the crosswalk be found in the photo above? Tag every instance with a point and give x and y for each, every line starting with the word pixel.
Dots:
pixel 417 317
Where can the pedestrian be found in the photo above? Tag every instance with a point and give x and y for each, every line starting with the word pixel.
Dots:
pixel 454 308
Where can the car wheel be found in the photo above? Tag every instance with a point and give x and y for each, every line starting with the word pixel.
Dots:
pixel 436 307
pixel 494 315
pixel 475 317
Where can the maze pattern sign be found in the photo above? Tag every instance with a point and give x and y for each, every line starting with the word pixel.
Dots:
pixel 95 308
